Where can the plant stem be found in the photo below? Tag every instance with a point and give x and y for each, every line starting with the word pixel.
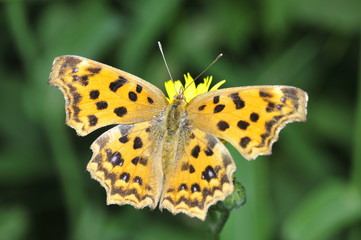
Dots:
pixel 217 222
pixel 221 222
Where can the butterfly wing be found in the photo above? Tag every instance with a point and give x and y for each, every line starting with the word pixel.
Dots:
pixel 98 95
pixel 250 118
pixel 125 160
pixel 201 175
pixel 127 163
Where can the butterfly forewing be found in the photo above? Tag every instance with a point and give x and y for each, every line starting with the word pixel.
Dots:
pixel 250 118
pixel 98 95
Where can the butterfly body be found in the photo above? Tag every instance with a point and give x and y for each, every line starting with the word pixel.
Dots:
pixel 175 131
pixel 168 153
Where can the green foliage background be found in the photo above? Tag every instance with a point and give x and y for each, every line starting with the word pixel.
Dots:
pixel 310 188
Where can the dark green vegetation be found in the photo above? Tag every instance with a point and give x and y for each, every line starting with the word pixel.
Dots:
pixel 310 188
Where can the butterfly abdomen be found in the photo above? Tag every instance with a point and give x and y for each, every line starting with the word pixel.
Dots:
pixel 176 129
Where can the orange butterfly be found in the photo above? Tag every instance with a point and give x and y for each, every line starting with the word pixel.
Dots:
pixel 168 152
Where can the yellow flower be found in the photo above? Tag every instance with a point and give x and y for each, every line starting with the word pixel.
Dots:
pixel 191 90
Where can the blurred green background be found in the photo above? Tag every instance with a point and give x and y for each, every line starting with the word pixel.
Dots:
pixel 310 188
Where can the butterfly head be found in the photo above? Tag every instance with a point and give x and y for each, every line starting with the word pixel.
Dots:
pixel 179 97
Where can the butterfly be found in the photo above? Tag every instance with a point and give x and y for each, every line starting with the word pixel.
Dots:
pixel 169 152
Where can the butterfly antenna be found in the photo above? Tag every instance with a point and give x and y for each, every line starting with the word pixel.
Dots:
pixel 214 61
pixel 165 61
pixel 166 65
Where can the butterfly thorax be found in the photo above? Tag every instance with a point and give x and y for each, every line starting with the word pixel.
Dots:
pixel 175 114
pixel 176 130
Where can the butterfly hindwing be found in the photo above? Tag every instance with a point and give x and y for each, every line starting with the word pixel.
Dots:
pixel 127 164
pixel 200 177
pixel 98 95
pixel 250 118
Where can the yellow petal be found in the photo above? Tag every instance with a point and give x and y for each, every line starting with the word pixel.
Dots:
pixel 170 89
pixel 208 81
pixel 190 90
pixel 190 87
pixel 203 87
pixel 215 87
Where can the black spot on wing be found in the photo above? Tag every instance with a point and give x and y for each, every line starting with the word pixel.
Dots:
pixel 135 160
pixel 101 105
pixel 244 142
pixel 265 94
pixel 222 125
pixel 94 70
pixel 254 117
pixel 137 143
pixel 139 88
pixel 218 108
pixel 125 176
pixel 270 107
pixel 201 108
pixel 141 160
pixel 138 180
pixel 116 159
pixel 84 80
pixel 242 124
pixel 124 139
pixel 191 169
pixel 132 96
pixel 208 151
pixel 195 151
pixel 195 187
pixel 216 99
pixel 209 173
pixel 120 111
pixel 114 86
pixel 150 100
pixel 93 120
pixel 237 100
pixel 94 94
pixel 183 186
